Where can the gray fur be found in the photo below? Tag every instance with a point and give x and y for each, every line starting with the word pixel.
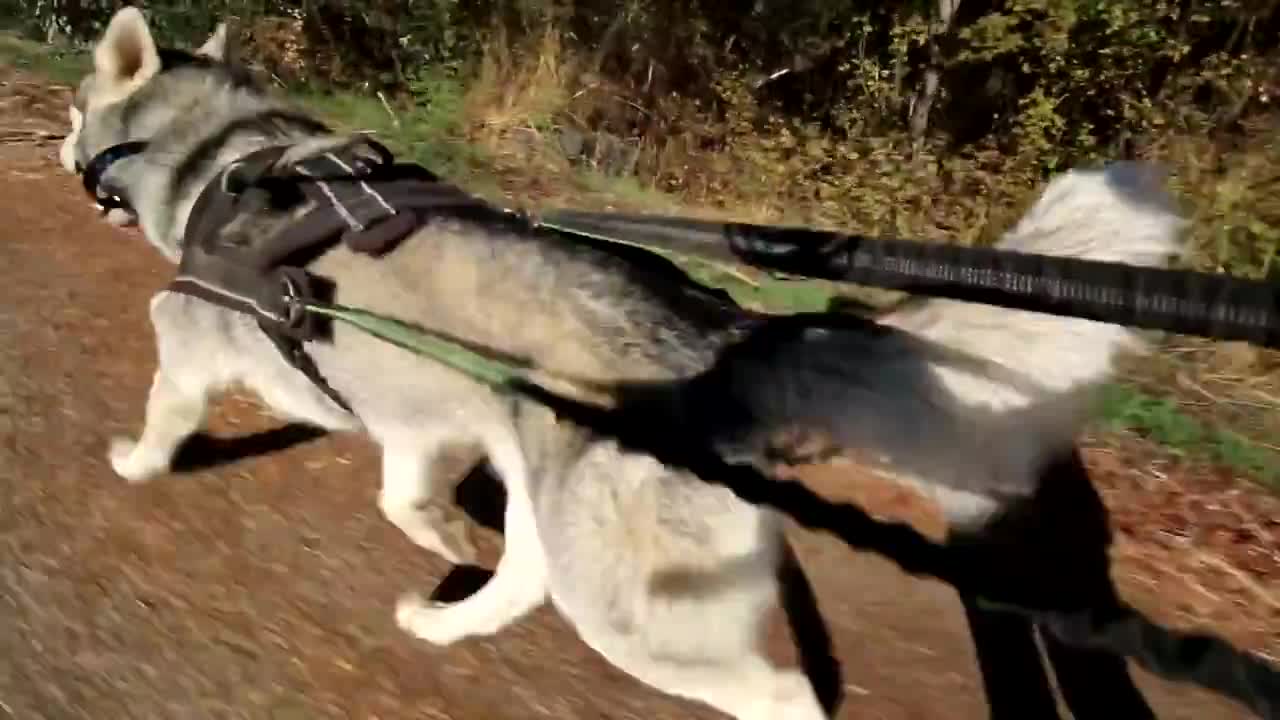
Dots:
pixel 665 575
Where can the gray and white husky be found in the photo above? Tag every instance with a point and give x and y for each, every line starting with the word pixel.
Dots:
pixel 668 576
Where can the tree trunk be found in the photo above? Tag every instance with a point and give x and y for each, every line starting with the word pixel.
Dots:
pixel 919 123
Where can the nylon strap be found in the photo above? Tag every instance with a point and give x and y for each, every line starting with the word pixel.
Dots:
pixel 1183 301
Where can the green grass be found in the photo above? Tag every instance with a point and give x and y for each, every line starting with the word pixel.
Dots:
pixel 761 291
pixel 1126 408
pixel 65 67
pixel 625 189
pixel 427 132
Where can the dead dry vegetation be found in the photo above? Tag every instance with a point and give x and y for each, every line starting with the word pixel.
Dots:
pixel 548 126
pixel 935 121
pixel 548 110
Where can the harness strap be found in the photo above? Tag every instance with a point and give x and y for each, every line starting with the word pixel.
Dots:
pixel 1196 303
pixel 255 228
pixel 294 352
pixel 361 225
pixel 357 203
pixel 278 313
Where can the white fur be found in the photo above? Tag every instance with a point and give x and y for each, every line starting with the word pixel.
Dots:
pixel 665 575
pixel 219 44
pixel 126 57
pixel 668 578
pixel 1118 214
pixel 67 151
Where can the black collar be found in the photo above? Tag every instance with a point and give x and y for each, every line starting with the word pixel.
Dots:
pixel 106 197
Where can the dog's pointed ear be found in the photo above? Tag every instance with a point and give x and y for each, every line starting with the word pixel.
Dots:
pixel 126 56
pixel 220 46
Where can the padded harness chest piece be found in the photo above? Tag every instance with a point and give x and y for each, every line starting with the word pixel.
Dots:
pixel 258 224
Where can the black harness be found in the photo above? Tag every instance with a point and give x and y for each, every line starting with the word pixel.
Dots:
pixel 257 225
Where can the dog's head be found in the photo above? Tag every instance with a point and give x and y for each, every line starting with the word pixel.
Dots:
pixel 124 98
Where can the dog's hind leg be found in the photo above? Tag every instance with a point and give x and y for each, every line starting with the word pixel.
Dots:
pixel 708 647
pixel 409 482
pixel 747 687
pixel 519 583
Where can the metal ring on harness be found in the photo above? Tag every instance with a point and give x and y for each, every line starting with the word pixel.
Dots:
pixel 230 183
pixel 295 311
pixel 361 165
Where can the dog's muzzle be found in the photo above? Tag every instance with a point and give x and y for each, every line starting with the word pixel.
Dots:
pixel 109 198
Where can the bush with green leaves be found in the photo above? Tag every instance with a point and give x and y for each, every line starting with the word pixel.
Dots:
pixel 880 114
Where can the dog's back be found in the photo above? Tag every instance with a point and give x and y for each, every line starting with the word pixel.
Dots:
pixel 663 574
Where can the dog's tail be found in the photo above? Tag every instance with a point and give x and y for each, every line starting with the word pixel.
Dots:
pixel 967 399
pixel 1119 214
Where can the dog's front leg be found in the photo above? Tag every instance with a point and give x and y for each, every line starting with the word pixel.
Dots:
pixel 178 397
pixel 174 412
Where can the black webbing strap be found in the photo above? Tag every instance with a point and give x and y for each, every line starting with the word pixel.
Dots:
pixel 1215 306
pixel 1182 301
pixel 277 313
pixel 257 225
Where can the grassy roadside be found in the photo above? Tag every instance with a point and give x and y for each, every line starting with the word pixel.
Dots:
pixel 1126 408
pixel 64 67
pixel 434 132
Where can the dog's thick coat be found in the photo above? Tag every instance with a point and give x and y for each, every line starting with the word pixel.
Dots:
pixel 665 575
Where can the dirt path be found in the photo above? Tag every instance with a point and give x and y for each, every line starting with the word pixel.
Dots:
pixel 264 589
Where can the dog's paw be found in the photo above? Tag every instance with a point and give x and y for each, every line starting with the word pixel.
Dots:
pixel 131 464
pixel 119 217
pixel 427 620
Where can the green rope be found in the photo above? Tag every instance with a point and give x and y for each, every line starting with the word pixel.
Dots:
pixel 1202 659
pixel 496 373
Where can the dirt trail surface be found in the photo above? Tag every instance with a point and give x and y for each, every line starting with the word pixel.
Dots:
pixel 264 588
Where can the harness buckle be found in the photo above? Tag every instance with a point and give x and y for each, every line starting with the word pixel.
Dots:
pixel 293 303
pixel 363 166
